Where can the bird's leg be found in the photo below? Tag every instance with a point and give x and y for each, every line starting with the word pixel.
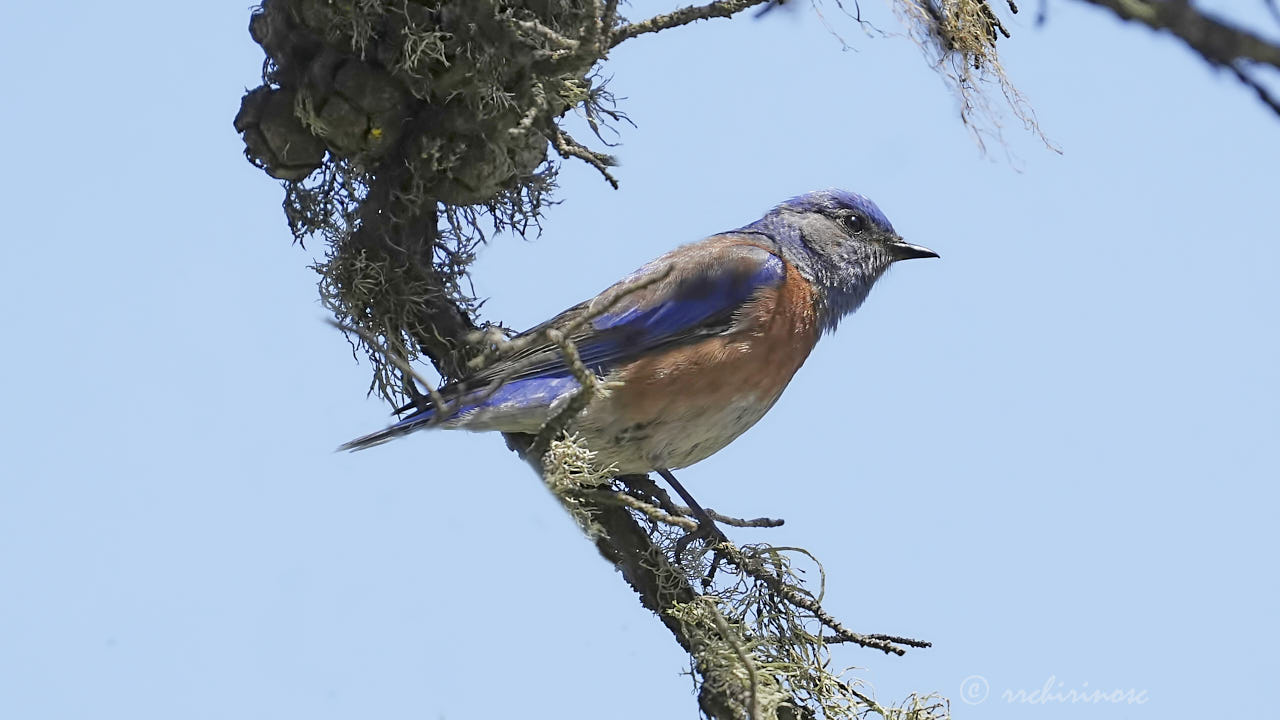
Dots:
pixel 706 525
pixel 707 529
pixel 643 487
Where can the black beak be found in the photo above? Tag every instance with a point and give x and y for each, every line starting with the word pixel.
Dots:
pixel 901 250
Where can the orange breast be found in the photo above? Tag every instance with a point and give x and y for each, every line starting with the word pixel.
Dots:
pixel 731 379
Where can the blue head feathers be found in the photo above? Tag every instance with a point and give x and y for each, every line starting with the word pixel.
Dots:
pixel 832 201
pixel 840 242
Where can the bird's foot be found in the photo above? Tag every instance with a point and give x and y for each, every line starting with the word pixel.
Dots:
pixel 707 530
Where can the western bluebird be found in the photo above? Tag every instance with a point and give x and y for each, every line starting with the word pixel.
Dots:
pixel 698 355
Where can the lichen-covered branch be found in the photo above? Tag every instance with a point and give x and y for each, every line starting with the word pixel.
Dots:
pixel 1216 41
pixel 750 636
pixel 570 148
pixel 683 16
pixel 755 637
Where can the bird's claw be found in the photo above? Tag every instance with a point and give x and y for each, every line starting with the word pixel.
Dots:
pixel 707 531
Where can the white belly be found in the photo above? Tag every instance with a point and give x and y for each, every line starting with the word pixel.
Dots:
pixel 676 441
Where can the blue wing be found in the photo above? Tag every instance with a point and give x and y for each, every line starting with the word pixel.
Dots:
pixel 693 292
pixel 700 290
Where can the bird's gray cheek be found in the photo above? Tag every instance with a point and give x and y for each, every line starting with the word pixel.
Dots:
pixel 817 236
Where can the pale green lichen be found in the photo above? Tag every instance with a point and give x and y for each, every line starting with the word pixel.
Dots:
pixel 568 468
pixel 769 658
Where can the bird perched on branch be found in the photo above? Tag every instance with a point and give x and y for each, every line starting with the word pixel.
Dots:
pixel 696 346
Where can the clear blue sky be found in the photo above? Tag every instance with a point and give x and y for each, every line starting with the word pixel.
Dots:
pixel 1052 452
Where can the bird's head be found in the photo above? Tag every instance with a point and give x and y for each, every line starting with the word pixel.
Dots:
pixel 840 242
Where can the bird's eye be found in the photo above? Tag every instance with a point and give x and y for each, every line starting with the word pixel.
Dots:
pixel 854 223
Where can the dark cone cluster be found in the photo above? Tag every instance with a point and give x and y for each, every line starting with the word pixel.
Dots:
pixel 398 125
pixel 274 138
pixel 471 87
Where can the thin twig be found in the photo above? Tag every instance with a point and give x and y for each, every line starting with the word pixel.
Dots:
pixel 637 485
pixel 753 568
pixel 443 411
pixel 760 522
pixel 601 305
pixel 683 16
pixel 515 345
pixel 568 147
pixel 911 642
pixel 1262 92
pixel 869 702
pixel 902 640
pixel 588 389
pixel 651 511
pixel 597 307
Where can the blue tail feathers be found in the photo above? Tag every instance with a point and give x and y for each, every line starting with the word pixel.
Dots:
pixel 508 408
pixel 414 422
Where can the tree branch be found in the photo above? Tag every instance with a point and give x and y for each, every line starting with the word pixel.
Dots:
pixel 1262 92
pixel 1216 41
pixel 1219 43
pixel 683 16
